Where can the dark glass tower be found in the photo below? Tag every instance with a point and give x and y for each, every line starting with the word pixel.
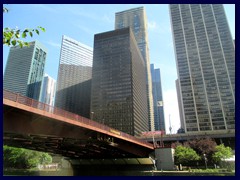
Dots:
pixel 119 97
pixel 25 69
pixel 159 121
pixel 136 19
pixel 205 58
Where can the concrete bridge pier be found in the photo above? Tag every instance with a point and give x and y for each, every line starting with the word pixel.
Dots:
pixel 164 158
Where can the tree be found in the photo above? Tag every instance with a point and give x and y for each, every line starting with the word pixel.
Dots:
pixel 12 37
pixel 184 155
pixel 222 153
pixel 175 144
pixel 45 158
pixel 22 158
pixel 13 157
pixel 202 146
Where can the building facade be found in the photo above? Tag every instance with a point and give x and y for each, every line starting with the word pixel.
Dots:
pixel 25 69
pixel 182 123
pixel 205 58
pixel 48 90
pixel 159 120
pixel 74 77
pixel 136 19
pixel 119 97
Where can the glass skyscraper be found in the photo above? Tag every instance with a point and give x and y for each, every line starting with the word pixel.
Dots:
pixel 136 19
pixel 48 90
pixel 159 121
pixel 205 57
pixel 119 97
pixel 74 77
pixel 25 69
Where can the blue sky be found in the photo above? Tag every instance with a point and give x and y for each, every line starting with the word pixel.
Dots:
pixel 82 21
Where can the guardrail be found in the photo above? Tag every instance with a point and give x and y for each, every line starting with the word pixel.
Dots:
pixel 16 97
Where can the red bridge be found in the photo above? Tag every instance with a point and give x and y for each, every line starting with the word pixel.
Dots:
pixel 34 125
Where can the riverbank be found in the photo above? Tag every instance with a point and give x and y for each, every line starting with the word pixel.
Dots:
pixel 69 172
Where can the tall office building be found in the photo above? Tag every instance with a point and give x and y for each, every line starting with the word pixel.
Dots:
pixel 159 121
pixel 119 97
pixel 136 19
pixel 205 58
pixel 48 90
pixel 24 69
pixel 74 77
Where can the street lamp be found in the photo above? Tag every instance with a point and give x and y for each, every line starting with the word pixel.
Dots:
pixel 205 159
pixel 154 162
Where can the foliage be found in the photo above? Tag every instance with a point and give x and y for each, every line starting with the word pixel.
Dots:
pixel 222 153
pixel 12 37
pixel 22 158
pixel 184 155
pixel 202 146
pixel 175 144
pixel 5 9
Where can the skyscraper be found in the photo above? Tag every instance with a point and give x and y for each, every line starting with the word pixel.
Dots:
pixel 136 19
pixel 159 121
pixel 48 90
pixel 24 70
pixel 74 77
pixel 205 58
pixel 119 97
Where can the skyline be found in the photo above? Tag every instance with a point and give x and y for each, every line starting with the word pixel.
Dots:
pixel 83 21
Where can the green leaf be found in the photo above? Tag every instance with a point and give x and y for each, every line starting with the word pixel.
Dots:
pixel 5 9
pixel 31 34
pixel 6 29
pixel 43 29
pixel 14 42
pixel 17 35
pixel 6 35
pixel 26 44
pixel 25 31
pixel 8 42
pixel 37 31
pixel 24 34
pixel 20 44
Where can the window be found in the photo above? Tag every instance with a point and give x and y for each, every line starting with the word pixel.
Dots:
pixel 36 54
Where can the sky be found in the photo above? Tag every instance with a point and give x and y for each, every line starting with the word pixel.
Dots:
pixel 82 21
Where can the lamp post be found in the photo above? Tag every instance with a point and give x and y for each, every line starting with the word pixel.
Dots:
pixel 205 159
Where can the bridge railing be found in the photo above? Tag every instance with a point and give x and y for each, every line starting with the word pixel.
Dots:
pixel 16 97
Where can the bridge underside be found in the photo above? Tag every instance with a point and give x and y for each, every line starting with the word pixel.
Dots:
pixel 116 161
pixel 111 167
pixel 32 131
pixel 67 147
